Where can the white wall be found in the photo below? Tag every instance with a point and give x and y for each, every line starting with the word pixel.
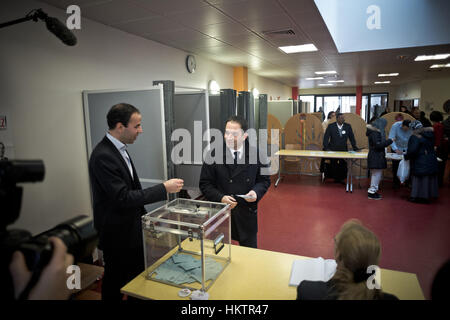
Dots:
pixel 271 88
pixel 408 91
pixel 41 89
pixel 434 93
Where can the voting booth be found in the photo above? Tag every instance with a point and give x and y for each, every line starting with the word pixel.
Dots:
pixel 187 243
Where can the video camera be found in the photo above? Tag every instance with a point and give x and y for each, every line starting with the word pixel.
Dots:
pixel 78 234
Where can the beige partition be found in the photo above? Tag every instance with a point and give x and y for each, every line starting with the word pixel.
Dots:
pixel 359 128
pixel 304 132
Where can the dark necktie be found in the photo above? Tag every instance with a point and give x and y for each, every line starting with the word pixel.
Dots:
pixel 235 158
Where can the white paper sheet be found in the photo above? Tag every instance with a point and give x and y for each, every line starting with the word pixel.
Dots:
pixel 314 269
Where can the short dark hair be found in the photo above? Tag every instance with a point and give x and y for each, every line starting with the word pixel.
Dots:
pixel 120 112
pixel 339 114
pixel 436 116
pixel 242 122
pixel 446 106
pixel 406 123
pixel 329 114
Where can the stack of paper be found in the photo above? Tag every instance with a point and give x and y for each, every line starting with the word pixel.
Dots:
pixel 316 269
pixel 182 268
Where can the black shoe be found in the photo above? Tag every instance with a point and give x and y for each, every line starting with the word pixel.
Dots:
pixel 374 196
pixel 413 200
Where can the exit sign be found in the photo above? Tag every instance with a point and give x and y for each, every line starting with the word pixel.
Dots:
pixel 2 122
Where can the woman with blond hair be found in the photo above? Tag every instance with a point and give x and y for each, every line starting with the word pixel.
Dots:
pixel 356 248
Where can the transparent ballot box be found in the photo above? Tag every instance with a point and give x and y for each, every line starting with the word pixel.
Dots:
pixel 187 243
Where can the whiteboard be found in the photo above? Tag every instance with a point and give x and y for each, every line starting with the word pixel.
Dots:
pixel 148 152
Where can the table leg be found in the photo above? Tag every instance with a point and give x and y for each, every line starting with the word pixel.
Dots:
pixel 279 172
pixel 351 178
pixel 348 172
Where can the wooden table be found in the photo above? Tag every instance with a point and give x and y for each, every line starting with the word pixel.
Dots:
pixel 256 274
pixel 346 155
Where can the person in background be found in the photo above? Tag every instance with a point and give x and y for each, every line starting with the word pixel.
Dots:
pixel 376 159
pixel 404 109
pixel 386 111
pixel 355 249
pixel 440 144
pixel 331 116
pixel 420 116
pixel 335 139
pixel 446 122
pixel 423 164
pixel 399 134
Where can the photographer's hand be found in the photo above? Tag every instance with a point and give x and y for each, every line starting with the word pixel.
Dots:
pixel 52 282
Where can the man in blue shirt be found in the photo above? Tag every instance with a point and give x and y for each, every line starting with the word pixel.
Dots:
pixel 400 133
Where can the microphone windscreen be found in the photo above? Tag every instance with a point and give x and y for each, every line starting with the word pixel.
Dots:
pixel 60 30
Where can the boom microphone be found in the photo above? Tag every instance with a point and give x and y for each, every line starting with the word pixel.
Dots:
pixel 53 25
pixel 60 31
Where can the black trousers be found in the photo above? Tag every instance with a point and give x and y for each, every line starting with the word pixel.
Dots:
pixel 250 242
pixel 121 266
pixel 395 164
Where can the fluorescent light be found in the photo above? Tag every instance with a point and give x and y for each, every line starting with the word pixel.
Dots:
pixel 335 80
pixel 325 72
pixel 316 78
pixel 440 66
pixel 379 82
pixel 300 48
pixel 433 57
pixel 326 84
pixel 388 74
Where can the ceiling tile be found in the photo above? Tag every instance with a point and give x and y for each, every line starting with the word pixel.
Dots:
pixel 114 12
pixel 251 9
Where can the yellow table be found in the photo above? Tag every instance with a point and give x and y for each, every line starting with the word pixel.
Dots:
pixel 351 156
pixel 256 274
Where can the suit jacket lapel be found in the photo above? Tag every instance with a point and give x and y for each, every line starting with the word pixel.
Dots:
pixel 117 153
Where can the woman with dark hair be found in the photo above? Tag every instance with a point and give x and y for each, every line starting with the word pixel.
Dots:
pixel 355 249
pixel 440 143
pixel 423 164
pixel 331 115
pixel 376 159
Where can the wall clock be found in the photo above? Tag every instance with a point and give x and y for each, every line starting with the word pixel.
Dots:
pixel 191 64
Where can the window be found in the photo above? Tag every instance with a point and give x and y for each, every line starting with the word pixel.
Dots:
pixel 310 99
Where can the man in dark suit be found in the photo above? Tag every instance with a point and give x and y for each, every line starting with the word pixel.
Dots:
pixel 223 178
pixel 335 139
pixel 118 200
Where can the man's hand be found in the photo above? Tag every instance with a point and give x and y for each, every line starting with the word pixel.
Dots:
pixel 52 284
pixel 229 200
pixel 253 196
pixel 398 152
pixel 174 185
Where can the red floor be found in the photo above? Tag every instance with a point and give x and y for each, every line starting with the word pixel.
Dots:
pixel 302 215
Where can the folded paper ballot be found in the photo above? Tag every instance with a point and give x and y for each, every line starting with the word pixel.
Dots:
pixel 244 196
pixel 313 269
